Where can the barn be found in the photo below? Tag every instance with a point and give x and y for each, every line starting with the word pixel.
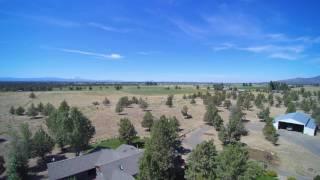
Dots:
pixel 296 121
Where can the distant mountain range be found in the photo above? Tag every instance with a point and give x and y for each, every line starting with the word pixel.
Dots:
pixel 311 80
pixel 44 79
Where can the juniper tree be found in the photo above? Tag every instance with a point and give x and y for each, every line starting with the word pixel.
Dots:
pixel 119 108
pixel 20 111
pixel 42 144
pixel 169 101
pixel 12 110
pixel 32 111
pixel 32 95
pixel 193 101
pixel 158 161
pixel 184 110
pixel 202 162
pixel 291 108
pixel 48 109
pixel 147 121
pixel 143 104
pixel 270 99
pixel 40 107
pixel 227 104
pixel 106 101
pixel 126 130
pixel 270 132
pixel 81 130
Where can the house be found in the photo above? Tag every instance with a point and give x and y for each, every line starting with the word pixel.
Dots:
pixel 106 164
pixel 297 121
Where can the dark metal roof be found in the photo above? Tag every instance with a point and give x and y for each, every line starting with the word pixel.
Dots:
pixel 125 158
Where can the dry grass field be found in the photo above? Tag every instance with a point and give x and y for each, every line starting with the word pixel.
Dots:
pixel 288 157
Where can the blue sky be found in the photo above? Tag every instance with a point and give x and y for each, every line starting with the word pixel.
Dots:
pixel 160 40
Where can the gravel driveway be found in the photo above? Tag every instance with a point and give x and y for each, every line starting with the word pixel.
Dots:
pixel 195 137
pixel 311 143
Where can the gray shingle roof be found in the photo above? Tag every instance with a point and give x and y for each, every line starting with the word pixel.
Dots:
pixel 125 156
pixel 302 118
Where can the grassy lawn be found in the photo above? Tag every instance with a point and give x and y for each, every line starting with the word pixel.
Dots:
pixel 158 90
pixel 143 90
pixel 114 143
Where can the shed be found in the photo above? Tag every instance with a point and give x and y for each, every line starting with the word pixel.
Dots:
pixel 296 121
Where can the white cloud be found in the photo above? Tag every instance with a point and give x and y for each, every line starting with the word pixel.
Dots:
pixel 282 55
pixel 223 46
pixel 273 51
pixel 188 28
pixel 88 53
pixel 145 53
pixel 107 28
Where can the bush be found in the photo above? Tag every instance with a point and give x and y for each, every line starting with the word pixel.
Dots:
pixel 32 111
pixel 193 101
pixel 271 173
pixel 12 110
pixel 143 104
pixel 32 95
pixel 106 102
pixel 147 121
pixel 291 178
pixel 95 103
pixel 317 177
pixel 169 101
pixel 184 111
pixel 20 111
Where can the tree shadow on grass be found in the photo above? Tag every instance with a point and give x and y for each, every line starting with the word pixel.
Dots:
pixel 245 120
pixel 35 177
pixel 122 114
pixel 42 164
pixel 2 140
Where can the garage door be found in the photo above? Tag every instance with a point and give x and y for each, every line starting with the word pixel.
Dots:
pixel 291 126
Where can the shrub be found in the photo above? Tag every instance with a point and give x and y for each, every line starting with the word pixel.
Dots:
pixel 169 101
pixel 291 178
pixel 95 103
pixel 193 101
pixel 106 102
pixel 184 111
pixel 32 111
pixel 32 95
pixel 12 110
pixel 271 173
pixel 20 111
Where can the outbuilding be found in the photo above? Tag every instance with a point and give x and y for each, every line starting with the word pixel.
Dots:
pixel 296 121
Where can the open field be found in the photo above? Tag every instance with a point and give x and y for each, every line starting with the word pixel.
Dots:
pixel 287 154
